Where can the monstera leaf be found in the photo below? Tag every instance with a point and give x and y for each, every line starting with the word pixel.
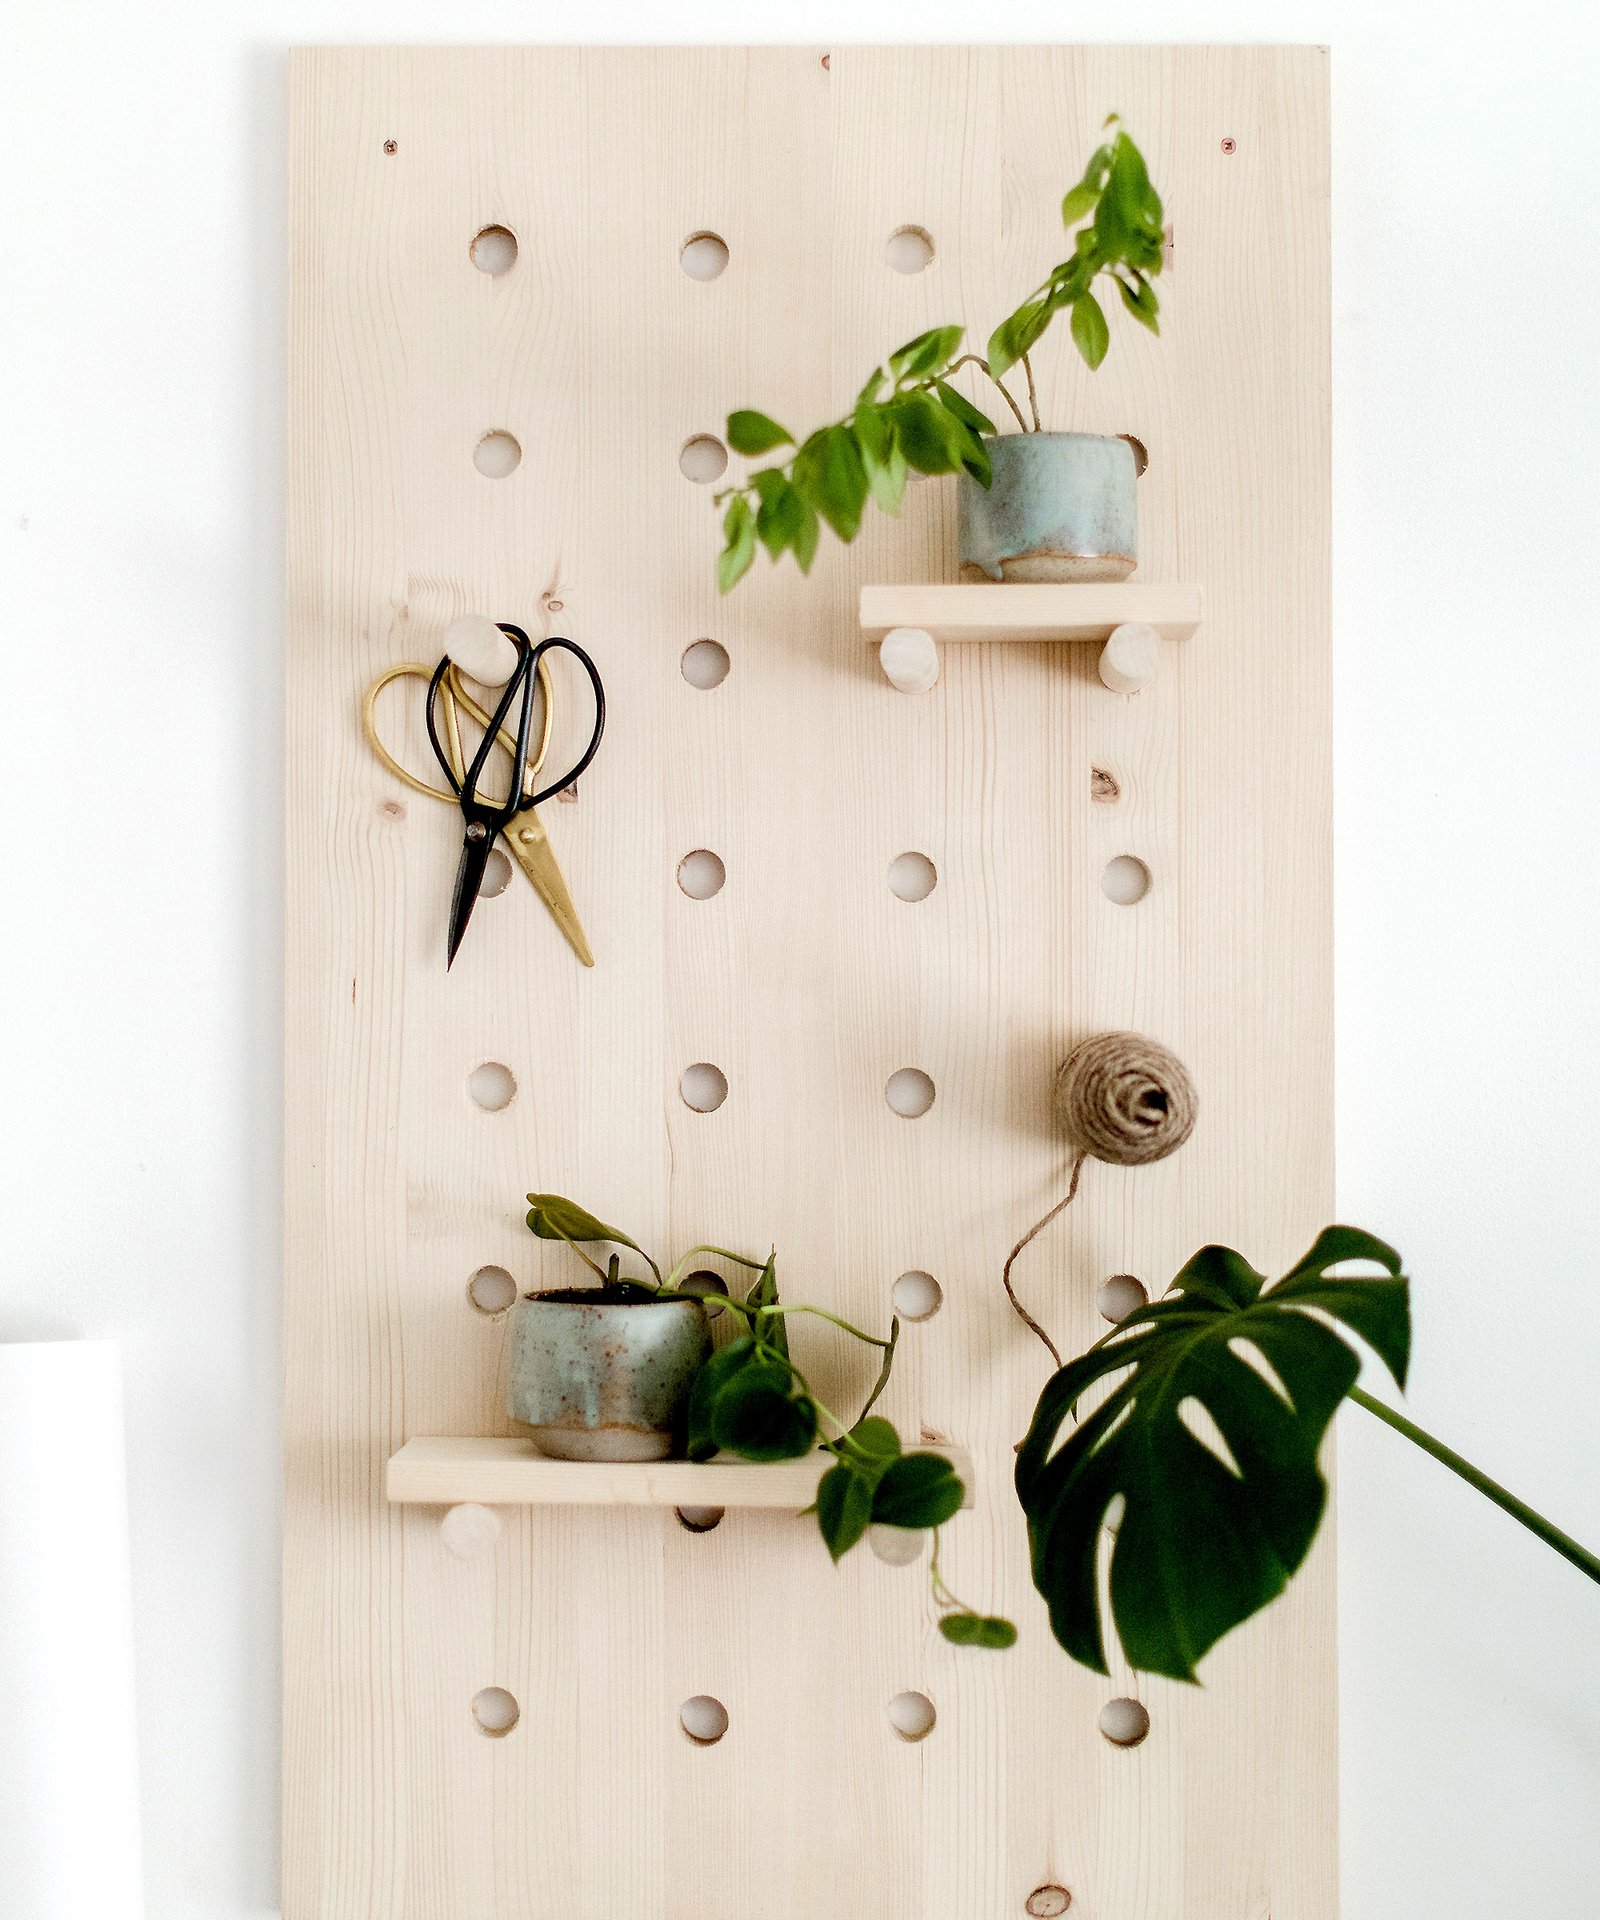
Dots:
pixel 1219 1396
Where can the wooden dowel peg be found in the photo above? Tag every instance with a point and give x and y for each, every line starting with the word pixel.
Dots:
pixel 909 659
pixel 1130 656
pixel 470 1531
pixel 480 650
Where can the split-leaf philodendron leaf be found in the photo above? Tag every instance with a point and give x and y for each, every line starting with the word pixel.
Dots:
pixel 1207 1443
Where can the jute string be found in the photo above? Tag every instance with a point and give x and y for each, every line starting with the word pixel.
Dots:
pixel 1119 1098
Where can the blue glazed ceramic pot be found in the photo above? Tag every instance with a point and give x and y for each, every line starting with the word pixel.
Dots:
pixel 1062 507
pixel 601 1378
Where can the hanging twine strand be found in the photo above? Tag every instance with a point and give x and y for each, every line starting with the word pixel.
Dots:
pixel 1119 1098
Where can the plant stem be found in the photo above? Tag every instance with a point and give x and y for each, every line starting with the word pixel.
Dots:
pixel 1033 394
pixel 977 360
pixel 1552 1536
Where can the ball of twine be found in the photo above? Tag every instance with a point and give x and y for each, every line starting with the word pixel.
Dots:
pixel 1121 1098
pixel 1125 1099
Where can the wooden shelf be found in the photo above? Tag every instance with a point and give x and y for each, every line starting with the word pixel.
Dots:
pixel 1078 612
pixel 442 1471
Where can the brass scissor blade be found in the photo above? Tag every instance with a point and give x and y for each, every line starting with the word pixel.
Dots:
pixel 531 849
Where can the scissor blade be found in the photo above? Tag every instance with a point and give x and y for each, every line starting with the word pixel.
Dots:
pixel 469 878
pixel 533 853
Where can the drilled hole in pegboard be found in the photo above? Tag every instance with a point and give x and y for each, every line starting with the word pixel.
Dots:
pixel 708 1286
pixel 703 256
pixel 1125 881
pixel 494 250
pixel 704 1719
pixel 705 665
pixel 496 875
pixel 908 250
pixel 492 1086
pixel 491 1290
pixel 498 454
pixel 699 1519
pixel 912 1715
pixel 495 1711
pixel 703 1086
pixel 1124 1722
pixel 703 459
pixel 1122 1294
pixel 1047 1903
pixel 909 1092
pixel 916 1295
pixel 701 874
pixel 912 876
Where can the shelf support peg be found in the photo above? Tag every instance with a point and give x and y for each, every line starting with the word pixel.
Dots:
pixel 909 659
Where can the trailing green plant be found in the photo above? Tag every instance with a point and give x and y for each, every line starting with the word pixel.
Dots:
pixel 752 1400
pixel 1206 1446
pixel 909 416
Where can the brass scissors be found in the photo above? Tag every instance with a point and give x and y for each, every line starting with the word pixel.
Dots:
pixel 525 837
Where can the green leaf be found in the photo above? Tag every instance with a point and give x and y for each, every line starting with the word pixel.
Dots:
pixel 978 1630
pixel 963 409
pixel 1089 329
pixel 918 1490
pixel 769 1327
pixel 829 474
pixel 872 388
pixel 876 1436
pixel 764 1414
pixel 844 1508
pixel 1079 201
pixel 934 440
pixel 1140 300
pixel 1208 1534
pixel 739 532
pixel 750 432
pixel 1017 334
pixel 552 1217
pixel 929 353
pixel 805 539
pixel 881 456
pixel 708 1384
pixel 781 513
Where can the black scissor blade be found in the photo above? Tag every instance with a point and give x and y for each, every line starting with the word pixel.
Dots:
pixel 469 878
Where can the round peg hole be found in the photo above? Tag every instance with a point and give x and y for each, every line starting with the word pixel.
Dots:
pixel 496 875
pixel 1119 1296
pixel 1124 1722
pixel 916 1295
pixel 703 1086
pixel 912 1715
pixel 704 459
pixel 492 1086
pixel 705 665
pixel 704 1719
pixel 896 1546
pixel 496 1711
pixel 706 1285
pixel 701 874
pixel 699 1519
pixel 909 1092
pixel 497 454
pixel 470 1531
pixel 494 250
pixel 912 876
pixel 492 1290
pixel 1045 1903
pixel 908 250
pixel 1126 880
pixel 703 256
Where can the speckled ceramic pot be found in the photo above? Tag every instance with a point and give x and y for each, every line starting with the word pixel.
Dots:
pixel 1061 507
pixel 604 1379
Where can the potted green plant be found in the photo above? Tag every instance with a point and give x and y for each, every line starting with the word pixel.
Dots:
pixel 1031 505
pixel 747 1398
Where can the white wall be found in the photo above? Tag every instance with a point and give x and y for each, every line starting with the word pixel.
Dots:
pixel 141 154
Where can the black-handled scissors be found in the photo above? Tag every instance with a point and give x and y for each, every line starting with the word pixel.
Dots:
pixel 486 820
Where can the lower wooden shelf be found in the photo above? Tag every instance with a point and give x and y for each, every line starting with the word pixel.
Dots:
pixel 1083 611
pixel 449 1471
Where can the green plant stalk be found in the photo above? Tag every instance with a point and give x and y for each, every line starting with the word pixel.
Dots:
pixel 1552 1536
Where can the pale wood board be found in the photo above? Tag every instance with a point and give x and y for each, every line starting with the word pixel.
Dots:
pixel 1018 612
pixel 805 979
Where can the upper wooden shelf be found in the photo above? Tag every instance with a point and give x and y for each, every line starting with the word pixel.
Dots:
pixel 513 1473
pixel 1005 612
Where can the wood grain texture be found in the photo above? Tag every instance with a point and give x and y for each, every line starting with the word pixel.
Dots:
pixel 805 979
pixel 437 1469
pixel 1068 612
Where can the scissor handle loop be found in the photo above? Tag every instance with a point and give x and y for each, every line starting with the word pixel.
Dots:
pixel 589 752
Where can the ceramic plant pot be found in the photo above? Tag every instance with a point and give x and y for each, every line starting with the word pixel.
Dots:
pixel 1061 508
pixel 601 1376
